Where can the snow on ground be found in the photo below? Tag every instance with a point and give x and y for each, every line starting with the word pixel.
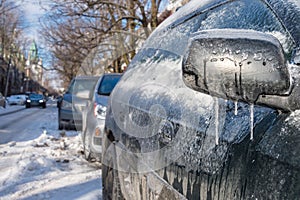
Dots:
pixel 49 167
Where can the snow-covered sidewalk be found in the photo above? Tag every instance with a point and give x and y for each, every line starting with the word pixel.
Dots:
pixel 51 166
pixel 10 109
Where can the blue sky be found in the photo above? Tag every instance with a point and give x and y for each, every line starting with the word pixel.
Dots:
pixel 32 11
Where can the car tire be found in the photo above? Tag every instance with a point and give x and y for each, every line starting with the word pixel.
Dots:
pixel 27 106
pixel 44 106
pixel 110 182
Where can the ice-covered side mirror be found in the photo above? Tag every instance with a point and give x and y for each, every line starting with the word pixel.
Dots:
pixel 236 64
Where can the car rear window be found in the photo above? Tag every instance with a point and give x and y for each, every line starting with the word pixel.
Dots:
pixel 107 84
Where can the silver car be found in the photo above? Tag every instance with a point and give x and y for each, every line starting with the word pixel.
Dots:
pixel 93 116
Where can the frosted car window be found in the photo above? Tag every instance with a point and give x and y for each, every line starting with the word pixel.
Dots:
pixel 289 12
pixel 248 14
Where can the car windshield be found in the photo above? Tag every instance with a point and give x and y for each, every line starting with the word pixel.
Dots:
pixel 36 96
pixel 107 84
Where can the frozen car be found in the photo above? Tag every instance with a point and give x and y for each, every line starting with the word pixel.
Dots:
pixel 94 116
pixel 209 107
pixel 74 100
pixel 34 99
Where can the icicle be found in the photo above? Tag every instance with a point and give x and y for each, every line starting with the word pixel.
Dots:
pixel 217 119
pixel 251 120
pixel 235 107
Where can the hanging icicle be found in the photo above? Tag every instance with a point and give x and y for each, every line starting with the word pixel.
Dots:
pixel 251 120
pixel 217 119
pixel 235 107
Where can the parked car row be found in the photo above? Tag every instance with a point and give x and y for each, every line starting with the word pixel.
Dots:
pixel 83 107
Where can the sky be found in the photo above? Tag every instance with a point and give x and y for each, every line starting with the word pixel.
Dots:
pixel 33 11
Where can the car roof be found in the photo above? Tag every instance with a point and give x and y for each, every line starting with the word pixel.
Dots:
pixel 86 77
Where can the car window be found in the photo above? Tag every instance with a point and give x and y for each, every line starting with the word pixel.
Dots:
pixel 107 84
pixel 239 14
pixel 35 96
pixel 248 14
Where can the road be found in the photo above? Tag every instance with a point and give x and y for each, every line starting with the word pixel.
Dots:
pixel 17 126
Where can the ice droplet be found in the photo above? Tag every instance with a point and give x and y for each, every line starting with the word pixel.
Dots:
pixel 251 120
pixel 217 120
pixel 258 56
pixel 235 107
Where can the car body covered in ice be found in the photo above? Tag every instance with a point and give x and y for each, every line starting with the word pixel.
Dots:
pixel 209 107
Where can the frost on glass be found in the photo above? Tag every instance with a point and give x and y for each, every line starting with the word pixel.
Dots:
pixel 248 14
pixel 289 13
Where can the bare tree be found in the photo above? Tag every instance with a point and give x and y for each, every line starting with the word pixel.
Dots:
pixel 88 36
pixel 10 41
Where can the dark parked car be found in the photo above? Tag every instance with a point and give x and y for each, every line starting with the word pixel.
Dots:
pixel 74 101
pixel 94 116
pixel 209 107
pixel 35 100
pixel 2 100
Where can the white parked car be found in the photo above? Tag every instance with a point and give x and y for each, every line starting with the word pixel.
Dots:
pixel 17 100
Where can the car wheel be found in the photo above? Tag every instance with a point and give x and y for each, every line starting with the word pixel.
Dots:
pixel 110 181
pixel 27 106
pixel 44 106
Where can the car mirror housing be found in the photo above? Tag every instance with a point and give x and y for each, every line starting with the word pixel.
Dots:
pixel 236 64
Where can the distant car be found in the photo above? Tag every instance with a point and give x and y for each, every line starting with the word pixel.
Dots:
pixel 2 100
pixel 17 99
pixel 74 100
pixel 35 100
pixel 209 107
pixel 94 115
